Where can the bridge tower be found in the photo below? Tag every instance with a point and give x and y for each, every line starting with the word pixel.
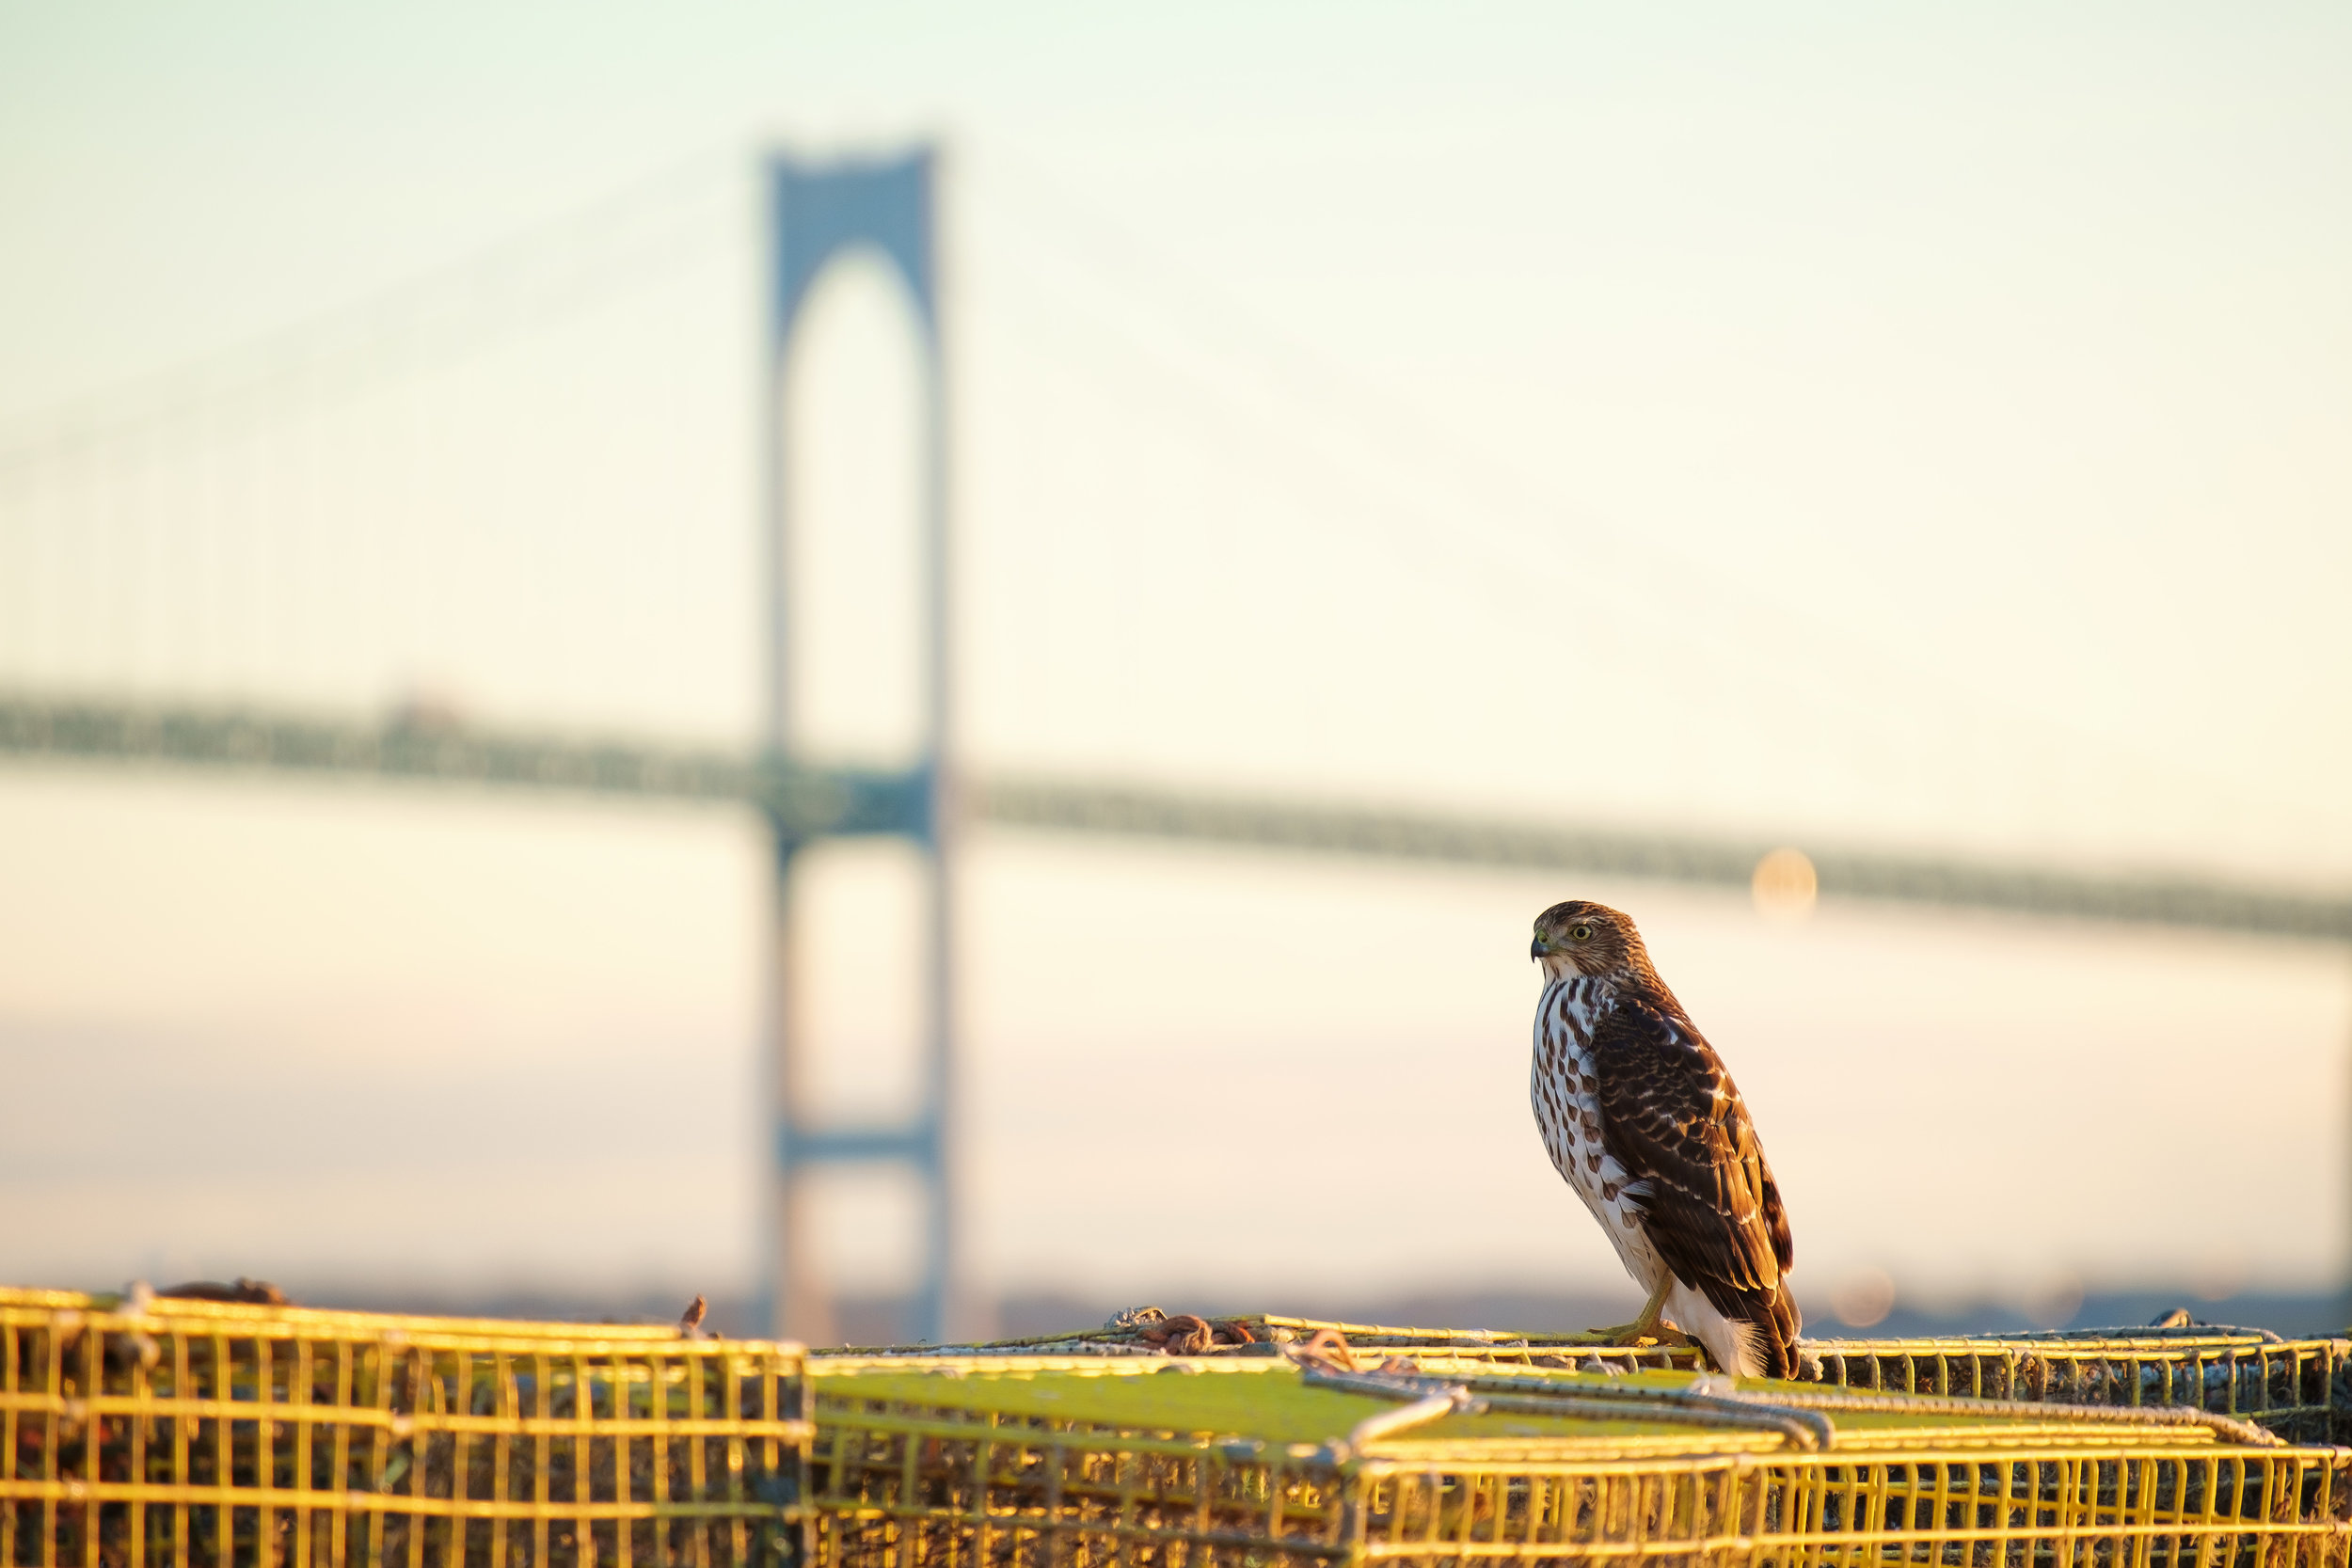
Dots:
pixel 816 212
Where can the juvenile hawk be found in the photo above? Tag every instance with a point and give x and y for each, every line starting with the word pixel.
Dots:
pixel 1638 1114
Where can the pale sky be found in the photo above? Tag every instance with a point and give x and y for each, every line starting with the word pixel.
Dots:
pixel 1872 424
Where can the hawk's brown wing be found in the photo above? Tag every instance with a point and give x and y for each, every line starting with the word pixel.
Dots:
pixel 1675 1121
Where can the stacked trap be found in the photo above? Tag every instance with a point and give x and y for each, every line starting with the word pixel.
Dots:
pixel 2299 1389
pixel 1464 1448
pixel 148 1431
pixel 1051 1460
pixel 157 1431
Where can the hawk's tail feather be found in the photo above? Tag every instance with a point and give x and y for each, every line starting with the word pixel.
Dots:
pixel 1773 1320
pixel 1760 1327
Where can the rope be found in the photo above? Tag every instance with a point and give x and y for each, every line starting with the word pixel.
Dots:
pixel 1185 1335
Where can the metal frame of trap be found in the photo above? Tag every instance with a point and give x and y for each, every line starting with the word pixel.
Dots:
pixel 193 1432
pixel 2301 1389
pixel 899 1480
pixel 198 1434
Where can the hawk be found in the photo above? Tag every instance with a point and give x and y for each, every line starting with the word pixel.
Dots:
pixel 1638 1113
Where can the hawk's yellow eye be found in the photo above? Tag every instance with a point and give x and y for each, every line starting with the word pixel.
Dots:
pixel 1580 933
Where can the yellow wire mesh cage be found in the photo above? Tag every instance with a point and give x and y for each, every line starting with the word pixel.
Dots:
pixel 2300 1390
pixel 1062 1461
pixel 164 1431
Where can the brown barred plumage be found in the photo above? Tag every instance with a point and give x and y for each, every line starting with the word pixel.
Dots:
pixel 1642 1121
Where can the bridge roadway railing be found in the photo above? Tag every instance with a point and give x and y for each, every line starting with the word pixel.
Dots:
pixel 851 801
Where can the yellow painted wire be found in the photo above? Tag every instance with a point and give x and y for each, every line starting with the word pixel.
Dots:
pixel 154 1430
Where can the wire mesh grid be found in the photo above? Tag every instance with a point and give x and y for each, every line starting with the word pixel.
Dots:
pixel 197 1434
pixel 990 1463
pixel 2299 1389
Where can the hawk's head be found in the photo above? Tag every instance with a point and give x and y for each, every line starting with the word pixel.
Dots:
pixel 1581 938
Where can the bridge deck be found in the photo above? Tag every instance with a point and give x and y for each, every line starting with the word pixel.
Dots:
pixel 840 800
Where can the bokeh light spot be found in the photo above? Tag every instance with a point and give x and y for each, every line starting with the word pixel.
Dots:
pixel 1863 1297
pixel 1783 885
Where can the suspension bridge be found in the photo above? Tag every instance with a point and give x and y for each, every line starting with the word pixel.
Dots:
pixel 138 540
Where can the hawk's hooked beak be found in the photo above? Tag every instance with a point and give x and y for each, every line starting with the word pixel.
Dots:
pixel 1536 949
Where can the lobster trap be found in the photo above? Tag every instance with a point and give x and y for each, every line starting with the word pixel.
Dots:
pixel 194 1433
pixel 1067 1461
pixel 2299 1389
